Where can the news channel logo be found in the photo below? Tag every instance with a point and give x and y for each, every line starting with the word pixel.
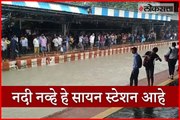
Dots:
pixel 156 8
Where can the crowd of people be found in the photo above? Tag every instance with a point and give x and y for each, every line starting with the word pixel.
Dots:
pixel 150 57
pixel 18 46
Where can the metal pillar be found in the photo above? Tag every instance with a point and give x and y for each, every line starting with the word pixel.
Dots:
pixel 20 24
pixel 64 29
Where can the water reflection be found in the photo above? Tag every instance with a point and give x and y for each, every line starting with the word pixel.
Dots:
pixel 137 112
pixel 143 112
pixel 149 113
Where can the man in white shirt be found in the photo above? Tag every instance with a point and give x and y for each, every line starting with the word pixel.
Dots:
pixel 81 42
pixel 16 38
pixel 60 40
pixel 56 44
pixel 4 49
pixel 92 37
pixel 112 39
pixel 178 54
pixel 36 46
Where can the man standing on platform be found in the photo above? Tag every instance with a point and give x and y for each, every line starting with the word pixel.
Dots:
pixel 92 37
pixel 137 63
pixel 43 43
pixel 149 63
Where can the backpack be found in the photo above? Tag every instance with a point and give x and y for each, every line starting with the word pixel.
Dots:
pixel 139 64
pixel 166 57
pixel 147 58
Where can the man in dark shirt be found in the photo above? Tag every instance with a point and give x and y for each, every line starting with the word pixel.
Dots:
pixel 14 45
pixel 150 57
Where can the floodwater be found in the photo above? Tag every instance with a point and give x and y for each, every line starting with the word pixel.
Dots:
pixel 158 112
pixel 109 71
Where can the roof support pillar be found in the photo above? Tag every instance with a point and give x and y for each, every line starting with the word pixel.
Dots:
pixel 64 28
pixel 20 24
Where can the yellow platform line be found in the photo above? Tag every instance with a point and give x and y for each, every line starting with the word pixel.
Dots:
pixel 107 112
pixel 168 81
pixel 114 109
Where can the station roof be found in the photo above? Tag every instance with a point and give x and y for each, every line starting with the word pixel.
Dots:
pixel 104 11
pixel 97 11
pixel 49 6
